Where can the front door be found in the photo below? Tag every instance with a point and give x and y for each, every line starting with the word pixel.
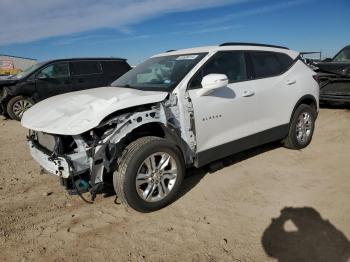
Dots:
pixel 53 80
pixel 226 114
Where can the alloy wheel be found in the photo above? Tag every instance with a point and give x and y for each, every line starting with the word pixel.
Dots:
pixel 20 106
pixel 304 127
pixel 156 177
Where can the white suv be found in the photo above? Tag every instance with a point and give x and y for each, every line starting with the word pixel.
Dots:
pixel 177 109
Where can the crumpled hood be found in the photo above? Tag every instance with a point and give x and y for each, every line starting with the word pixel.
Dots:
pixel 77 112
pixel 334 68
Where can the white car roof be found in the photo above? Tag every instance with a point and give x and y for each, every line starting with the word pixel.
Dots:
pixel 209 49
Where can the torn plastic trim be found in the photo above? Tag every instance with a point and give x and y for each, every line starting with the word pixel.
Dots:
pixel 121 126
pixel 127 124
pixel 165 114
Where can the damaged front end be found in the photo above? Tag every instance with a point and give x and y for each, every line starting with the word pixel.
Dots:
pixel 68 157
pixel 84 162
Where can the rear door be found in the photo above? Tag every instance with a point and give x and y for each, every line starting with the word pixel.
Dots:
pixel 53 80
pixel 275 87
pixel 113 69
pixel 86 74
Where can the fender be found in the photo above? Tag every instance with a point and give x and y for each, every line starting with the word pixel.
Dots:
pixel 129 122
pixel 173 135
pixel 125 124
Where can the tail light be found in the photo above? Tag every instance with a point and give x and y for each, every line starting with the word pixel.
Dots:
pixel 317 78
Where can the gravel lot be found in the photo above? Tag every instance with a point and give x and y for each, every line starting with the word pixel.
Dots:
pixel 265 204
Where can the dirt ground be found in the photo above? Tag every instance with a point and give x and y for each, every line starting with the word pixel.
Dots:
pixel 265 204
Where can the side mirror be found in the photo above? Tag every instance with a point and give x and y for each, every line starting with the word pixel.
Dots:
pixel 212 82
pixel 42 76
pixel 327 60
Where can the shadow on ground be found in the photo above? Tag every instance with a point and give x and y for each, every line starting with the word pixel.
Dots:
pixel 300 234
pixel 195 175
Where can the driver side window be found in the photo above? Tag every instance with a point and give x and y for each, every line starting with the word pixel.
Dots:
pixel 56 70
pixel 232 64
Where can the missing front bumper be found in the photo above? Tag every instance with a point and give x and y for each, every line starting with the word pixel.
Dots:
pixel 58 166
pixel 73 164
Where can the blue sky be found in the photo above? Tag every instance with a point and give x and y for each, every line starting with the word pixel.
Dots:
pixel 137 29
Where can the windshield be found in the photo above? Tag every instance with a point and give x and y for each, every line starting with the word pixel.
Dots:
pixel 343 56
pixel 159 73
pixel 27 71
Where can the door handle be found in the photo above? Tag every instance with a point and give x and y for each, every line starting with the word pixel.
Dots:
pixel 248 93
pixel 291 82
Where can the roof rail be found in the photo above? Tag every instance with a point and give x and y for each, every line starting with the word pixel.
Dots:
pixel 172 50
pixel 252 44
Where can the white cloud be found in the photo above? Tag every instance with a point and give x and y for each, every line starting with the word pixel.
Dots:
pixel 242 14
pixel 28 20
pixel 96 39
pixel 206 30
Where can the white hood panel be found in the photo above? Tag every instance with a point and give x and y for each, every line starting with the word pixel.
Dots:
pixel 77 112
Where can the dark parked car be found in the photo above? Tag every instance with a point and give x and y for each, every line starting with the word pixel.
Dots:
pixel 55 77
pixel 334 77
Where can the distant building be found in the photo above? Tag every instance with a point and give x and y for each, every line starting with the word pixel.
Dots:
pixel 14 64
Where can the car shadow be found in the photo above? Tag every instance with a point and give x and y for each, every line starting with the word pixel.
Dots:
pixel 300 234
pixel 195 175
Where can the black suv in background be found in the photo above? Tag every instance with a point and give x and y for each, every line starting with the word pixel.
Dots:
pixel 55 77
pixel 334 77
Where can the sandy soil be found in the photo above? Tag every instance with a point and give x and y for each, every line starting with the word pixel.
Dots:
pixel 265 204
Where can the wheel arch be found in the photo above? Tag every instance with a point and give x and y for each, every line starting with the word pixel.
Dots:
pixel 307 100
pixel 161 130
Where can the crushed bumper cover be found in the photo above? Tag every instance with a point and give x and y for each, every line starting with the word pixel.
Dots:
pixel 64 167
pixel 58 166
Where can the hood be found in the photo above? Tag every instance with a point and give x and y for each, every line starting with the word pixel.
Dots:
pixel 8 82
pixel 77 112
pixel 333 67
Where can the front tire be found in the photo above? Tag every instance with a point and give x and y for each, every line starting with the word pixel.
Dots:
pixel 149 175
pixel 17 106
pixel 301 128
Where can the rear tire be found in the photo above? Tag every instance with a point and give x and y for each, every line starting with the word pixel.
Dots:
pixel 301 127
pixel 149 175
pixel 17 106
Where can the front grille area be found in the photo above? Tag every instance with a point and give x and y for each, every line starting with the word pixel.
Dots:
pixel 59 144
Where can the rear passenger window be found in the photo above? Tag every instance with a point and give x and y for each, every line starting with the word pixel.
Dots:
pixel 285 60
pixel 114 68
pixel 86 68
pixel 265 64
pixel 232 64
